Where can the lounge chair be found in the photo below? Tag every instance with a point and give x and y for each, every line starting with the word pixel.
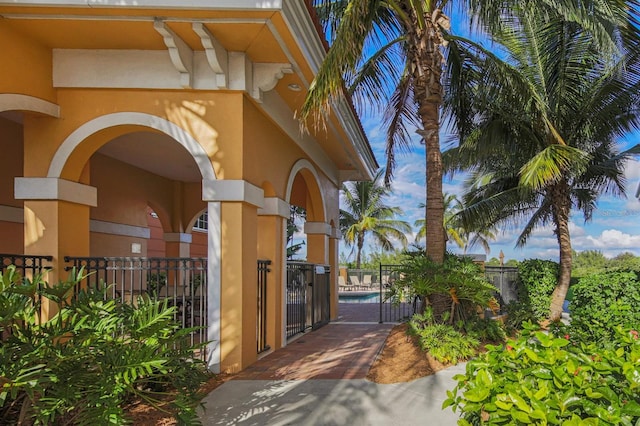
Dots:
pixel 366 282
pixel 355 281
pixel 342 285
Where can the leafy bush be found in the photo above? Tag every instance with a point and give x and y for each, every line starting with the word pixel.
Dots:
pixel 546 379
pixel 518 312
pixel 93 357
pixel 603 301
pixel 458 282
pixel 485 330
pixel 537 278
pixel 443 342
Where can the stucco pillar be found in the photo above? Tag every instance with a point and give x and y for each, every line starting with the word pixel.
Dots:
pixel 177 244
pixel 272 230
pixel 56 222
pixel 317 242
pixel 334 239
pixel 238 201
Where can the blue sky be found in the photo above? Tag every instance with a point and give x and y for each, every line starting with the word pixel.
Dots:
pixel 615 226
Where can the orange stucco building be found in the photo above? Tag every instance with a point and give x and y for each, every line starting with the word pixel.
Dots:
pixel 112 109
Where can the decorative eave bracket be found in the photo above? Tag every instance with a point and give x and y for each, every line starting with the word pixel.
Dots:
pixel 180 53
pixel 266 76
pixel 217 56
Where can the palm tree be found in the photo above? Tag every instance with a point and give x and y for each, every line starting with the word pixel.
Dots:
pixel 451 229
pixel 365 213
pixel 464 238
pixel 390 55
pixel 540 127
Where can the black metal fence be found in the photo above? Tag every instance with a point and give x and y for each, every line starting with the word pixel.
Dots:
pixel 182 281
pixel 263 270
pixel 26 265
pixel 308 296
pixel 397 310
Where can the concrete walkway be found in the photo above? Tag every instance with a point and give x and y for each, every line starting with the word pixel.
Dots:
pixel 331 402
pixel 319 379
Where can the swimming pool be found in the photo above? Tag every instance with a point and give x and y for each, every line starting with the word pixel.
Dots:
pixel 359 297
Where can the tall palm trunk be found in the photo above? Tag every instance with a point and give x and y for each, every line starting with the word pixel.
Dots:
pixel 360 244
pixel 427 60
pixel 560 196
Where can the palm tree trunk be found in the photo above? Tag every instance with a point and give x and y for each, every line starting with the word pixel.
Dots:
pixel 359 249
pixel 561 213
pixel 427 60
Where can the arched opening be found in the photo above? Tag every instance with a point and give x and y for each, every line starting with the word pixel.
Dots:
pixel 148 174
pixel 13 110
pixel 308 283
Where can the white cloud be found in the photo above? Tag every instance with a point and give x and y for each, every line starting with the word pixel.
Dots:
pixel 615 239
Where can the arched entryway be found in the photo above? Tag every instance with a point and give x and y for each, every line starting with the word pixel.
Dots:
pixel 107 177
pixel 308 283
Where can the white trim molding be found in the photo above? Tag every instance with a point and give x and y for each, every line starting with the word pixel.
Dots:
pixel 19 102
pixel 11 214
pixel 233 190
pixel 335 233
pixel 297 167
pixel 320 228
pixel 121 229
pixel 177 237
pixel 214 287
pixel 274 206
pixel 51 188
pixel 169 4
pixel 135 118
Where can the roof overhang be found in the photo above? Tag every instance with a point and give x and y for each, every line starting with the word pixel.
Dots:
pixel 278 42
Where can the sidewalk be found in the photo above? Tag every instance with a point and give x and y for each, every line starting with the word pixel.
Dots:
pixel 319 379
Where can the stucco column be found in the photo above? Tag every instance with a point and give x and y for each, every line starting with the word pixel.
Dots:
pixel 56 222
pixel 334 239
pixel 177 244
pixel 238 255
pixel 317 242
pixel 272 230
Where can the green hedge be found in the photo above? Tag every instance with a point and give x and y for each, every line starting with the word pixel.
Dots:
pixel 603 301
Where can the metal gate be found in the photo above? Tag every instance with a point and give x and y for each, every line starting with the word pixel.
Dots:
pixel 308 297
pixel 395 310
pixel 505 279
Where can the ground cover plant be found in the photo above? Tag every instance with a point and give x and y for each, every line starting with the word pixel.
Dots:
pixel 548 378
pixel 96 355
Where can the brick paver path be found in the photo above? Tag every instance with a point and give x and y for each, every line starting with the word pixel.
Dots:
pixel 335 351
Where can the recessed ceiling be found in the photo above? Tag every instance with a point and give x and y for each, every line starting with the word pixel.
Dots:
pixel 155 153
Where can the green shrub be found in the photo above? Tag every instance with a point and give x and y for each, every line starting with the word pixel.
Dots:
pixel 518 312
pixel 443 342
pixel 536 280
pixel 547 379
pixel 93 357
pixel 454 289
pixel 603 301
pixel 485 330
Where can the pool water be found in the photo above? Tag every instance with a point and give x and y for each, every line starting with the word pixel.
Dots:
pixel 359 298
